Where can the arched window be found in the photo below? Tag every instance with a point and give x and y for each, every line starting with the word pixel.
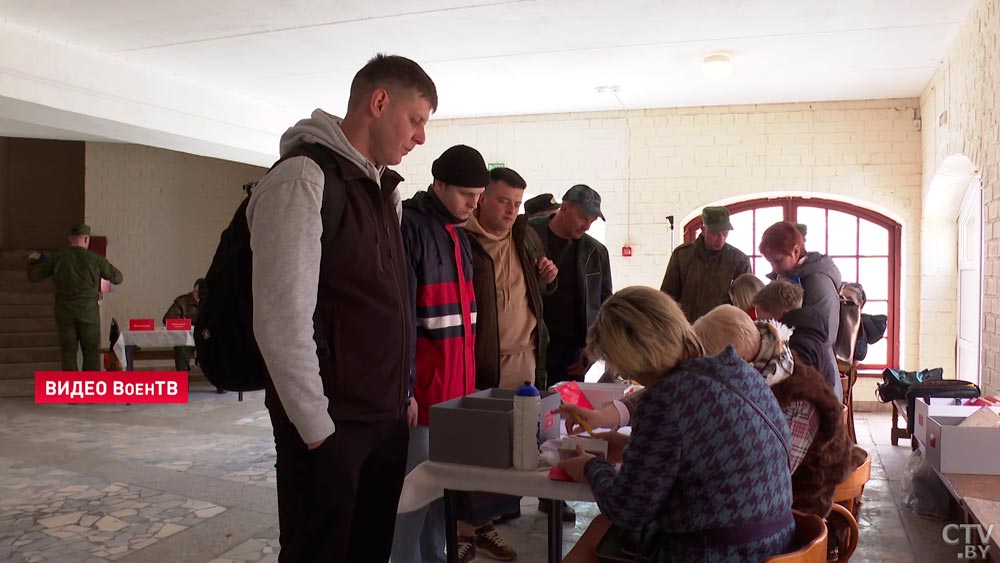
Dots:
pixel 865 246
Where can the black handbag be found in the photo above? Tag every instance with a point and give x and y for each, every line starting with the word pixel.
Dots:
pixel 628 546
pixel 896 382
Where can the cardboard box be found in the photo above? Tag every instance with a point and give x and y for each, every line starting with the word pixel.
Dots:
pixel 599 394
pixel 938 406
pixel 548 423
pixel 954 449
pixel 141 324
pixel 473 431
pixel 178 324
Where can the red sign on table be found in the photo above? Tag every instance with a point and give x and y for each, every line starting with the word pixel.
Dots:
pixel 178 324
pixel 141 324
pixel 71 387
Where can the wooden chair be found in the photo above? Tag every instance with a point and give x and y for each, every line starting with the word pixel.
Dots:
pixel 847 506
pixel 848 377
pixel 847 544
pixel 810 536
pixel 848 492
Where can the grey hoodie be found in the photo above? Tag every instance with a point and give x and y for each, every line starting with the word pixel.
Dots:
pixel 285 229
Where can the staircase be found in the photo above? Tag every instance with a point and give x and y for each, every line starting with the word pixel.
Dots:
pixel 28 341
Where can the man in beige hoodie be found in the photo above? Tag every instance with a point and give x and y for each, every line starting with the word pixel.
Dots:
pixel 510 275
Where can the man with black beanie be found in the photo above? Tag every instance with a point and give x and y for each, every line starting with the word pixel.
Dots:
pixel 439 265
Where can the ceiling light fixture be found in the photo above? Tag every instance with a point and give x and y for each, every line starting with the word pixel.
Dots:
pixel 717 66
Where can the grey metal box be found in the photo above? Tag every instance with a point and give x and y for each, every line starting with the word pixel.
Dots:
pixel 548 424
pixel 473 431
pixel 478 429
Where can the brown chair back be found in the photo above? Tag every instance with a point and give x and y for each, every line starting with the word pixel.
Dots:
pixel 849 491
pixel 810 537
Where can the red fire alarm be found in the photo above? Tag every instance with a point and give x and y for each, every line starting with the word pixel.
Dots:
pixel 626 251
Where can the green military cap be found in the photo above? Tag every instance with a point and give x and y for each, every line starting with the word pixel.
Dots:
pixel 80 230
pixel 802 228
pixel 716 219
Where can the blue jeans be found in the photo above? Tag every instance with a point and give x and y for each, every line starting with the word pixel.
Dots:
pixel 419 535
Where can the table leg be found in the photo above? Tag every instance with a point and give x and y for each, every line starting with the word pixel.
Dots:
pixel 129 354
pixel 555 530
pixel 450 526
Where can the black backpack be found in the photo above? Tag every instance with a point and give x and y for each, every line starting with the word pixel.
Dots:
pixel 223 334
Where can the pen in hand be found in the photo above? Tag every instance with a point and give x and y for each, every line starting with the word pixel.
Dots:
pixel 583 423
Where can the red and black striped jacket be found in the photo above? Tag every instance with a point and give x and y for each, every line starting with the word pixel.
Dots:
pixel 444 303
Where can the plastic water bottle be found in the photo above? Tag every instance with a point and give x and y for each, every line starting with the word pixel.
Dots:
pixel 527 404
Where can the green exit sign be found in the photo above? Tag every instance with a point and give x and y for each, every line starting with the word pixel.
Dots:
pixel 493 165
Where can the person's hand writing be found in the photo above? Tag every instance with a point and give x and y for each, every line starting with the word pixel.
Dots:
pixel 575 465
pixel 603 418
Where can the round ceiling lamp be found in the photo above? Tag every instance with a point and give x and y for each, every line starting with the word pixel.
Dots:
pixel 717 66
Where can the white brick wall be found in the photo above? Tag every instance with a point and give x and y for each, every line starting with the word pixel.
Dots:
pixel 162 212
pixel 652 163
pixel 967 86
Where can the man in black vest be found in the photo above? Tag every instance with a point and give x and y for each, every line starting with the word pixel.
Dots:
pixel 332 316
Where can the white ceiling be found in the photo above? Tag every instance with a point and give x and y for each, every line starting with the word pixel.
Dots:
pixel 519 56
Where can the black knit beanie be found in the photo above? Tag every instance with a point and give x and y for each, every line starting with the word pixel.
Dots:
pixel 462 166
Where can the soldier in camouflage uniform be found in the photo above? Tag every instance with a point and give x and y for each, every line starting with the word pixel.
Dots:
pixel 699 273
pixel 185 307
pixel 76 274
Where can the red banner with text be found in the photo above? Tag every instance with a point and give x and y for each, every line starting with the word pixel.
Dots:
pixel 76 387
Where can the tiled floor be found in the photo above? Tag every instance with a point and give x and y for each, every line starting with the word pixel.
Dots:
pixel 195 482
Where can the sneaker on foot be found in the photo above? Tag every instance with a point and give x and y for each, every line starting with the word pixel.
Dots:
pixel 466 549
pixel 489 543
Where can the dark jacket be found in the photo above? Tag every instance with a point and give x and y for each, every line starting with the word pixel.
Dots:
pixel 442 296
pixel 363 326
pixel 809 342
pixel 870 331
pixel 529 250
pixel 593 268
pixel 820 280
pixel 699 279
pixel 827 461
pixel 184 307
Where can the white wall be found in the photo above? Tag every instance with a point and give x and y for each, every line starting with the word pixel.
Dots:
pixel 961 113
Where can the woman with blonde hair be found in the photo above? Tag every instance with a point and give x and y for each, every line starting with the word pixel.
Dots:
pixel 713 498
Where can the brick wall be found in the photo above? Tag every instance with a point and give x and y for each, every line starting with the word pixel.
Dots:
pixel 651 163
pixel 162 212
pixel 961 114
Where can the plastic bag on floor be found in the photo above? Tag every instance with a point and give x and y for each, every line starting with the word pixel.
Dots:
pixel 922 491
